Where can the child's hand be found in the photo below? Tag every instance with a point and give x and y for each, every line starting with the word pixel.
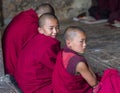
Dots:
pixel 97 88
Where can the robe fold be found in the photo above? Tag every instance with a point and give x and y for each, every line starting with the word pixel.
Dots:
pixel 110 82
pixel 19 30
pixel 64 82
pixel 36 63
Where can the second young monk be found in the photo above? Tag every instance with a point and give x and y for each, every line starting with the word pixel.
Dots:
pixel 37 59
pixel 72 73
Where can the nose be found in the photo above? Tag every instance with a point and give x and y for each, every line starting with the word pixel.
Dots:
pixel 54 31
pixel 84 45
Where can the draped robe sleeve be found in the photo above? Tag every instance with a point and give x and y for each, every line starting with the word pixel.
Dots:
pixel 36 63
pixel 18 31
pixel 110 82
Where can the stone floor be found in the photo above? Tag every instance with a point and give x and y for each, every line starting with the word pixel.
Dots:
pixel 102 50
pixel 103 47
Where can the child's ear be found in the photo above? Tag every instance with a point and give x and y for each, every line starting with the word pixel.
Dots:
pixel 68 43
pixel 40 30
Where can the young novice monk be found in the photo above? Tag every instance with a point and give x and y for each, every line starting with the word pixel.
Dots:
pixel 72 73
pixel 22 27
pixel 36 61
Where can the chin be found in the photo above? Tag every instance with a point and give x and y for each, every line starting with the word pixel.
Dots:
pixel 53 36
pixel 82 52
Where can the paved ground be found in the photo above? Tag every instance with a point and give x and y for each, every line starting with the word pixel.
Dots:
pixel 103 45
pixel 102 51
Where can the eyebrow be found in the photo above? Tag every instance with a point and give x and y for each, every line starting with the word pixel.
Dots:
pixel 53 26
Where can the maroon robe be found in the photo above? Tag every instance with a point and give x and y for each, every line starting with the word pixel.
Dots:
pixel 110 82
pixel 113 7
pixel 108 5
pixel 64 82
pixel 19 30
pixel 36 63
pixel 106 9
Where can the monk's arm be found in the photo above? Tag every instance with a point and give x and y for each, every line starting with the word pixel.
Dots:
pixel 87 74
pixel 92 71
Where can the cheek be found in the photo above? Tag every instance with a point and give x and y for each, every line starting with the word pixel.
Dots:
pixel 80 47
pixel 48 32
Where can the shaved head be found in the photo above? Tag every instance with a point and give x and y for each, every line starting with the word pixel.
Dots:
pixel 44 17
pixel 44 8
pixel 72 31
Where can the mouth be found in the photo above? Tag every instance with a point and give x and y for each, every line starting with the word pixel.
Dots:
pixel 53 36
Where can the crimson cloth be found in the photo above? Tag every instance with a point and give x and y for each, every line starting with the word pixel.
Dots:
pixel 112 7
pixel 110 82
pixel 18 31
pixel 106 9
pixel 36 63
pixel 64 82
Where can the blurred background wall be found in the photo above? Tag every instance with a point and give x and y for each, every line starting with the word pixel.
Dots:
pixel 65 9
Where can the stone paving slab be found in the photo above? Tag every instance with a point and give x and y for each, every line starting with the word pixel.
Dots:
pixel 1 64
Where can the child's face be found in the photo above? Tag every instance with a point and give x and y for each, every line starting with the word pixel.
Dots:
pixel 78 43
pixel 50 28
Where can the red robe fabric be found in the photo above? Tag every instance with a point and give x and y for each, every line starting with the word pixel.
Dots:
pixel 36 63
pixel 18 31
pixel 113 7
pixel 63 82
pixel 108 5
pixel 110 82
pixel 106 9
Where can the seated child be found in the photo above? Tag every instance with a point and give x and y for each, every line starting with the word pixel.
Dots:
pixel 72 73
pixel 36 61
